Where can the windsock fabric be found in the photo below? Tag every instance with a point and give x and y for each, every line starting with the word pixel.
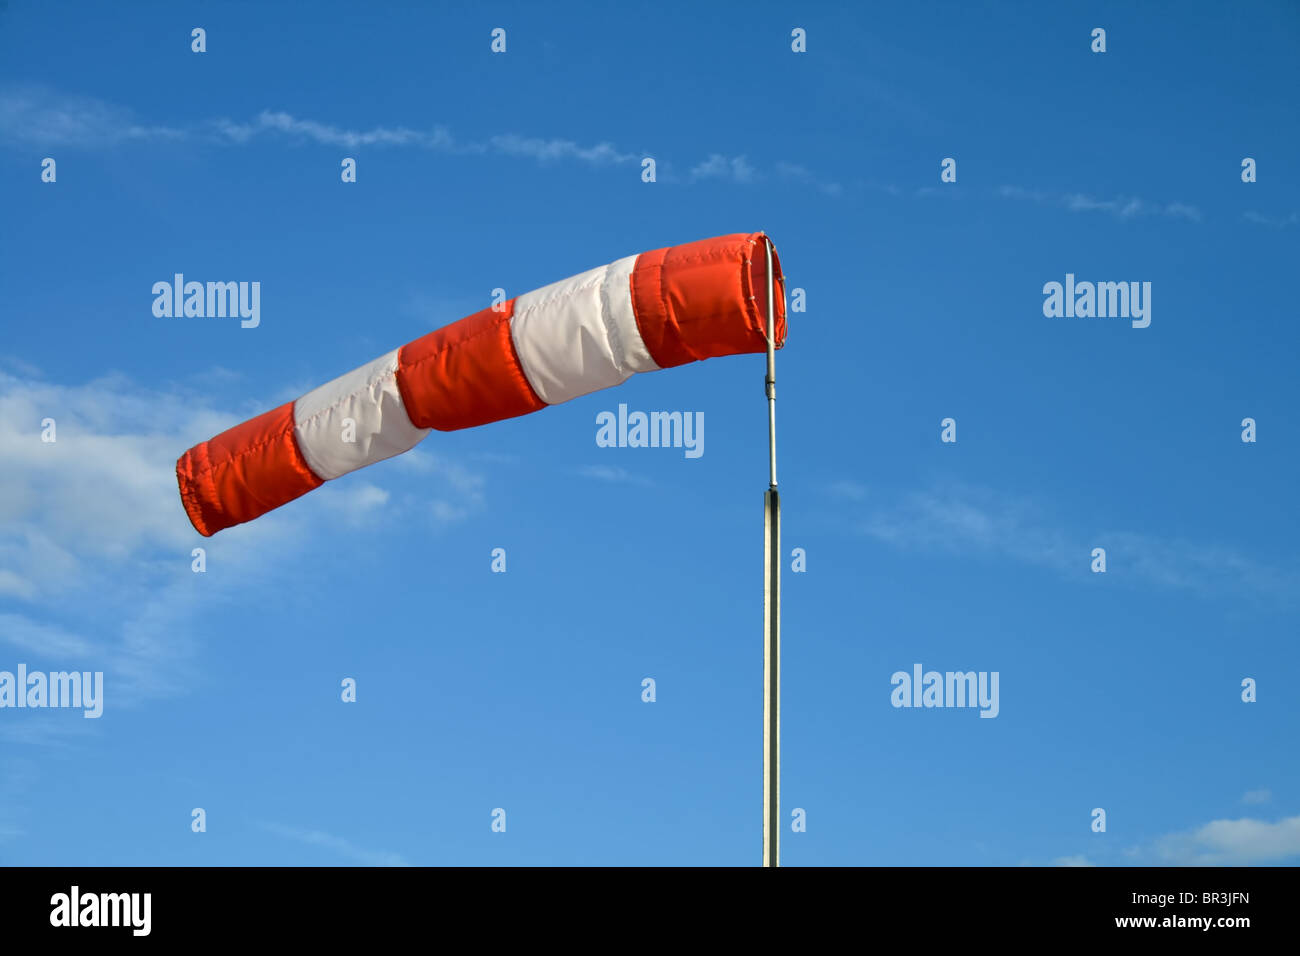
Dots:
pixel 589 332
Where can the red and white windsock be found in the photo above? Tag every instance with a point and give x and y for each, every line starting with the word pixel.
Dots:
pixel 592 331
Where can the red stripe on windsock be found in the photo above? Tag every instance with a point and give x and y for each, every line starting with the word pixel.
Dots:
pixel 465 374
pixel 243 472
pixel 705 299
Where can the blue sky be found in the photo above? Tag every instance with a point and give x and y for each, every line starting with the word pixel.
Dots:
pixel 522 690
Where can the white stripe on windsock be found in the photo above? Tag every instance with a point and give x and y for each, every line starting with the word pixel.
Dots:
pixel 580 335
pixel 380 426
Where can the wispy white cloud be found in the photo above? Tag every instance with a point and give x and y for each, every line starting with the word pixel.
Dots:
pixel 104 490
pixel 93 538
pixel 269 121
pixel 354 503
pixel 38 115
pixel 336 844
pixel 1190 565
pixel 1243 842
pixel 45 639
pixel 14 585
pixel 611 473
pixel 852 490
pixel 47 729
pixel 551 150
pixel 1257 796
pixel 802 174
pixel 1123 207
pixel 1019 192
pixel 35 115
pixel 450 492
pixel 735 168
pixel 960 519
pixel 20 773
pixel 14 364
pixel 963 519
pixel 1180 210
pixel 438 138
pixel 429 311
pixel 1277 222
pixel 95 548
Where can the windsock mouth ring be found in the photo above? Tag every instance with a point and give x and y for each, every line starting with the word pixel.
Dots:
pixel 758 287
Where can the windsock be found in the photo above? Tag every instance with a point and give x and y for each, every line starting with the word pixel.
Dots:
pixel 592 331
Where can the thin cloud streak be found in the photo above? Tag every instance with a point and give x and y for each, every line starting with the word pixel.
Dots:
pixel 801 174
pixel 612 474
pixel 734 168
pixel 964 520
pixel 1275 222
pixel 339 845
pixel 40 116
pixel 1122 207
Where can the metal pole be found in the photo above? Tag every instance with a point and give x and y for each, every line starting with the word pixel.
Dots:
pixel 770 381
pixel 771 603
